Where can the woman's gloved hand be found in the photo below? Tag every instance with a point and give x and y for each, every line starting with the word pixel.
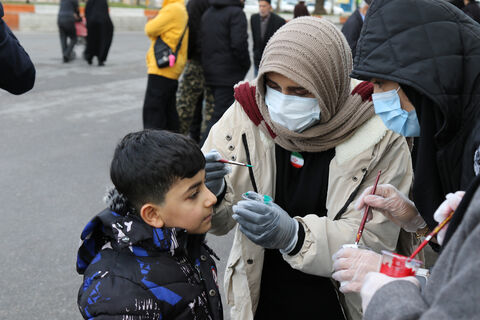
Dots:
pixel 392 204
pixel 267 225
pixel 215 172
pixel 450 204
pixel 350 266
pixel 374 281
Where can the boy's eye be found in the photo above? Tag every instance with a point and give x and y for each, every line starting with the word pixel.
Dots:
pixel 193 195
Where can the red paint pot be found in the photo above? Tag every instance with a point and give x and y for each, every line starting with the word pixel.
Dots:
pixel 395 265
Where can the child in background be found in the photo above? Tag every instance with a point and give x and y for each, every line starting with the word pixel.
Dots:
pixel 145 257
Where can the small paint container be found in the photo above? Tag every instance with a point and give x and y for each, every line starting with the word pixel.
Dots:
pixel 397 266
pixel 257 197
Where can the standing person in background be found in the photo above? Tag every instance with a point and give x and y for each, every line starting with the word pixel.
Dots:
pixel 300 10
pixel 100 31
pixel 353 25
pixel 159 111
pixel 263 24
pixel 17 72
pixel 472 9
pixel 225 57
pixel 67 15
pixel 191 89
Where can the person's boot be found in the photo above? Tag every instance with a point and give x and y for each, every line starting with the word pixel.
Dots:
pixel 101 63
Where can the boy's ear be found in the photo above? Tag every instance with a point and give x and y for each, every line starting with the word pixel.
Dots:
pixel 150 213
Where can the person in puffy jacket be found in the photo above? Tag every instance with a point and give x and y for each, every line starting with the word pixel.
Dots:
pixel 145 256
pixel 225 57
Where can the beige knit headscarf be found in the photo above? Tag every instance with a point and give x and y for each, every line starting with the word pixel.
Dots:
pixel 314 53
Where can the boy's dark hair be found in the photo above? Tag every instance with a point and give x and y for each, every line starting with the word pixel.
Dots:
pixel 146 164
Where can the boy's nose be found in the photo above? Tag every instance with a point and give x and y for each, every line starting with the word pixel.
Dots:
pixel 211 198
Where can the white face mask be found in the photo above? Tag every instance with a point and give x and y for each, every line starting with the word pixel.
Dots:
pixel 292 112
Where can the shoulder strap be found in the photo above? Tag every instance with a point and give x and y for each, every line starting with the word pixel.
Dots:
pixel 181 38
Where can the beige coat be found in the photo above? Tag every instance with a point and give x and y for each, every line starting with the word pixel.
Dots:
pixel 372 148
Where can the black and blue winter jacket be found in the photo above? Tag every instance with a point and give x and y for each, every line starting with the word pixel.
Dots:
pixel 137 272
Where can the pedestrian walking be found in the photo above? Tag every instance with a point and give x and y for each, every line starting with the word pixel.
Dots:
pixel 170 25
pixel 352 27
pixel 192 91
pixel 263 25
pixel 300 10
pixel 314 146
pixel 225 57
pixel 100 31
pixel 67 15
pixel 17 72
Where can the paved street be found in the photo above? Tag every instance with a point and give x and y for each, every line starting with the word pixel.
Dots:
pixel 57 142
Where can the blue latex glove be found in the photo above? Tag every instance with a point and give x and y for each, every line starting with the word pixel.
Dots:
pixel 215 172
pixel 267 225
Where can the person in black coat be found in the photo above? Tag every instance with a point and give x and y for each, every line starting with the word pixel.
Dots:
pixel 67 15
pixel 225 57
pixel 472 9
pixel 145 256
pixel 300 10
pixel 17 72
pixel 263 24
pixel 99 31
pixel 353 25
pixel 439 77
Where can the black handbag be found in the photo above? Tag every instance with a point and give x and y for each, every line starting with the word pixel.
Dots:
pixel 163 52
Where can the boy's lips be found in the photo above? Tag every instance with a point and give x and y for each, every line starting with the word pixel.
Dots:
pixel 208 218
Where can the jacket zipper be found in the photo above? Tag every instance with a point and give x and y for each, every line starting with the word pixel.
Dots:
pixel 250 169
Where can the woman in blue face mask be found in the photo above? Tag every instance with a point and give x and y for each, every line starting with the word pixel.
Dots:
pixel 314 146
pixel 422 57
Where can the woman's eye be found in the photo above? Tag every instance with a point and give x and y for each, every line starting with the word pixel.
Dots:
pixel 302 93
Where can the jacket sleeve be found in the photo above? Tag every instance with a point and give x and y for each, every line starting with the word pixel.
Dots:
pixel 17 73
pixel 324 236
pixel 239 38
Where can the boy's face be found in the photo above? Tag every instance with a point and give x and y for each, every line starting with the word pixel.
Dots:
pixel 188 205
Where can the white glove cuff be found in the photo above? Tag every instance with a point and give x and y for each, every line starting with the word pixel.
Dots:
pixel 415 224
pixel 222 188
pixel 293 242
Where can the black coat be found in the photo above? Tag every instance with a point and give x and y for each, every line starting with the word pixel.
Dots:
pixel 134 271
pixel 195 9
pixel 433 51
pixel 274 23
pixel 99 29
pixel 225 57
pixel 351 29
pixel 17 73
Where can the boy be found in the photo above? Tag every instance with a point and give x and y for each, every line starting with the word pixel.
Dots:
pixel 145 256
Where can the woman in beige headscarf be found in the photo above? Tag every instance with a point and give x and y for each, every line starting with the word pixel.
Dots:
pixel 314 147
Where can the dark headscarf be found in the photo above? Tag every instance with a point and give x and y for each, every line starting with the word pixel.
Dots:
pixel 432 49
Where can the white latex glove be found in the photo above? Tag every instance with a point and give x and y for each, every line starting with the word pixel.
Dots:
pixel 450 204
pixel 374 281
pixel 351 265
pixel 392 204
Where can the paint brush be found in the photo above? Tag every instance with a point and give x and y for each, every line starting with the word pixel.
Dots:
pixel 365 212
pixel 235 163
pixel 432 234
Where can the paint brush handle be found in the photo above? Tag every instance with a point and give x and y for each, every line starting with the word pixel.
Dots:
pixel 235 163
pixel 365 212
pixel 432 234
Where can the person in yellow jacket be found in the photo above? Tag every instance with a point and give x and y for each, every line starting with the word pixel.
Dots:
pixel 159 111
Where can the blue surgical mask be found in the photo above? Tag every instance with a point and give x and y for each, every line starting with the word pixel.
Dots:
pixel 387 106
pixel 292 112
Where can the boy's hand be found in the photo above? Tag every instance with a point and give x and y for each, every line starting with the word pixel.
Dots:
pixel 267 225
pixel 215 172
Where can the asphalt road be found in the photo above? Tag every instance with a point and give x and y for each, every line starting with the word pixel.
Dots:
pixel 57 143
